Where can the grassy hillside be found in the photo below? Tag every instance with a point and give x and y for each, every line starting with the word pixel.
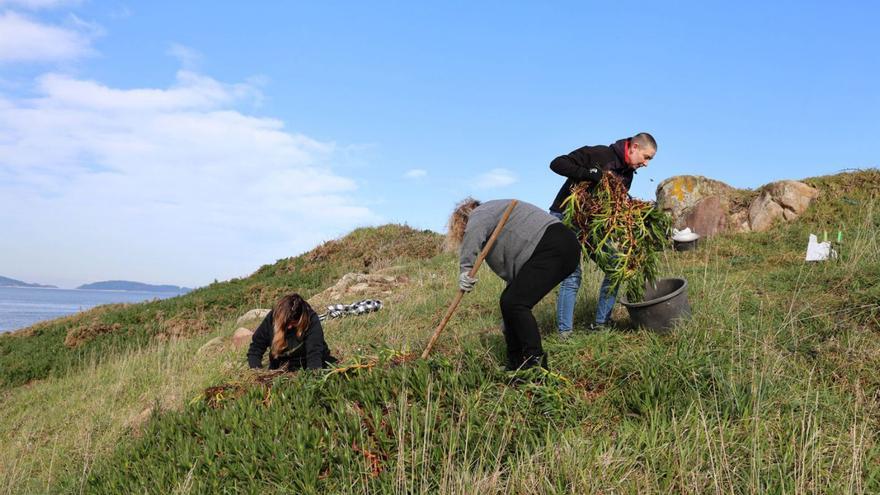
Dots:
pixel 771 387
pixel 58 347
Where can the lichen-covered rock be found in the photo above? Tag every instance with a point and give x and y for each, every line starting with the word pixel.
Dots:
pixel 254 314
pixel 676 195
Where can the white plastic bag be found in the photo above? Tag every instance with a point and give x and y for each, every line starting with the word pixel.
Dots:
pixel 819 251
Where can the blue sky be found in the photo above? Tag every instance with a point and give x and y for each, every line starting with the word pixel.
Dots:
pixel 179 142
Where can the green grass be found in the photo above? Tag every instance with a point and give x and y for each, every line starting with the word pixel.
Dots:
pixel 771 387
pixel 58 427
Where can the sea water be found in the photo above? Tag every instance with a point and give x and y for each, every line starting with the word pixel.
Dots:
pixel 23 306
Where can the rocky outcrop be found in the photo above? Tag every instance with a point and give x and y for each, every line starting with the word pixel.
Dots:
pixel 711 207
pixel 359 286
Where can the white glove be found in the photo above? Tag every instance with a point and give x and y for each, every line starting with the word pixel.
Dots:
pixel 466 282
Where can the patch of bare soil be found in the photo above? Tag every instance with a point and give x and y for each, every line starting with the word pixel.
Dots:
pixel 81 334
pixel 182 327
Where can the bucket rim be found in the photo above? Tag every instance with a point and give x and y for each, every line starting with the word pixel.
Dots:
pixel 660 299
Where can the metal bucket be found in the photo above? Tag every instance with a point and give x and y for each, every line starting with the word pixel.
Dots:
pixel 665 302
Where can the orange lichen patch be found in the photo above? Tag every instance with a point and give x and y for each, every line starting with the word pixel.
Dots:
pixel 682 186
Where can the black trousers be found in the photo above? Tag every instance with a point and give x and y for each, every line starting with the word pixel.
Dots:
pixel 555 257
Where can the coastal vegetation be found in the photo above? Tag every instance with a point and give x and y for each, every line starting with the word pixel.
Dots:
pixel 770 387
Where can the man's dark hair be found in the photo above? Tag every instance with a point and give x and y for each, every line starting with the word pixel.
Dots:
pixel 645 140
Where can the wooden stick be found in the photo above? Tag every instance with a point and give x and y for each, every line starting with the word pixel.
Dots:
pixel 472 273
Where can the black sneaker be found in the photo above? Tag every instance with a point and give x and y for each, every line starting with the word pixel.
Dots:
pixel 539 360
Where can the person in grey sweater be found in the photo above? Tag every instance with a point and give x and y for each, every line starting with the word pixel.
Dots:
pixel 533 253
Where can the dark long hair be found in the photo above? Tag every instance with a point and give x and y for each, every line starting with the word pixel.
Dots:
pixel 290 309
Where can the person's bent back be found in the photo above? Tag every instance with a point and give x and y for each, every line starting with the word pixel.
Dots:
pixel 293 334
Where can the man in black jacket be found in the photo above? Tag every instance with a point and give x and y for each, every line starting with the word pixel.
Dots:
pixel 622 159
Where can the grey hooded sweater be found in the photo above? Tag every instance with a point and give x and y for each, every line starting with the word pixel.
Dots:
pixel 515 243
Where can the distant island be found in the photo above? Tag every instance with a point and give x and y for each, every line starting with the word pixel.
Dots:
pixel 133 286
pixel 11 282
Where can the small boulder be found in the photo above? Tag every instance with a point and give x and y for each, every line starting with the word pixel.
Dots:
pixel 793 196
pixel 782 200
pixel 242 337
pixel 254 314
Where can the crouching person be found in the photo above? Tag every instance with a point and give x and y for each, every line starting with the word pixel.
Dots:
pixel 533 253
pixel 293 334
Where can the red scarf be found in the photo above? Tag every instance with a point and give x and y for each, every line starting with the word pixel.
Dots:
pixel 626 152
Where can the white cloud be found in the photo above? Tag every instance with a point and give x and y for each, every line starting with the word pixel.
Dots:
pixel 163 184
pixel 495 178
pixel 25 40
pixel 39 4
pixel 415 173
pixel 191 91
pixel 189 58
